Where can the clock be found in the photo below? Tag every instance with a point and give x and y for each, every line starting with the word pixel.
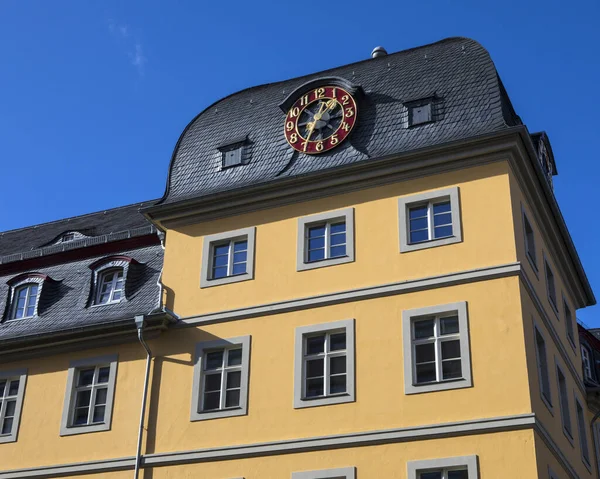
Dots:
pixel 320 119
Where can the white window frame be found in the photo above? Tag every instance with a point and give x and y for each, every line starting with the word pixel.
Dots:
pixel 113 285
pixel 432 197
pixel 412 315
pixel 553 302
pixel 469 463
pixel 584 438
pixel 248 234
pixel 339 473
pixel 300 401
pixel 196 412
pixel 26 286
pixel 25 283
pixel 563 402
pixel 586 361
pixel 546 398
pixel 330 217
pixel 66 427
pixel 21 375
pixel 530 250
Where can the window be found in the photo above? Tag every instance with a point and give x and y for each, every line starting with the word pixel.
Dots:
pixel 569 323
pixel 550 286
pixel 563 398
pixel 89 396
pixel 325 239
pixel 12 390
pixel 110 286
pixel 587 364
pixel 221 378
pixel 551 474
pixel 542 363
pixel 25 301
pixel 451 468
pixel 341 473
pixel 429 219
pixel 228 257
pixel 324 364
pixel 233 152
pixel 529 242
pixel 582 429
pixel 420 111
pixel 68 237
pixel 436 348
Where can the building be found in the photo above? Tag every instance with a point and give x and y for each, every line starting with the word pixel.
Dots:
pixel 366 274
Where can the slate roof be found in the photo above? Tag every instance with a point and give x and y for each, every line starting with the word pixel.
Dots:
pixel 469 101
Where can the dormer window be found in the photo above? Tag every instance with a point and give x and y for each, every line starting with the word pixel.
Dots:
pixel 68 237
pixel 110 286
pixel 233 152
pixel 25 301
pixel 420 111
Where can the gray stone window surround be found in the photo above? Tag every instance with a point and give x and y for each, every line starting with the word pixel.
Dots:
pixel 583 434
pixel 207 254
pixel 530 250
pixel 546 396
pixel 570 323
pixel 563 402
pixel 302 264
pixel 338 473
pixel 406 202
pixel 299 373
pixel 408 317
pixel 549 272
pixel 66 429
pixel 99 271
pixel 21 374
pixel 195 413
pixel 29 279
pixel 551 473
pixel 468 462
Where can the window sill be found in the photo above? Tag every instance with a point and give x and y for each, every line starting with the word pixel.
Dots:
pixel 405 248
pixel 21 319
pixel 6 438
pixel 324 401
pixel 324 263
pixel 207 283
pixel 554 308
pixel 572 343
pixel 112 303
pixel 438 386
pixel 74 430
pixel 548 404
pixel 217 414
pixel 533 265
pixel 569 437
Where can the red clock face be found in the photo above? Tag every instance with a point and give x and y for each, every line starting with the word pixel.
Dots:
pixel 320 120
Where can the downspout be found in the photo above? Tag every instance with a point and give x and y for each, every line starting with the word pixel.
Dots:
pixel 139 322
pixel 595 441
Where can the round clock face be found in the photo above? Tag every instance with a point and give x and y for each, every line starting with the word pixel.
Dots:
pixel 320 119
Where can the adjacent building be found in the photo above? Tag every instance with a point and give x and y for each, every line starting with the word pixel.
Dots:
pixel 365 274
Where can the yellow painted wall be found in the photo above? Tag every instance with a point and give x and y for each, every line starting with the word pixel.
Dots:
pixel 486 218
pixel 546 459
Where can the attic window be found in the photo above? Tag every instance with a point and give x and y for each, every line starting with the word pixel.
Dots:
pixel 24 295
pixel 420 112
pixel 68 237
pixel 232 152
pixel 109 279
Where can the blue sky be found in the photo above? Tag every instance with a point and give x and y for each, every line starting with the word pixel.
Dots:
pixel 93 95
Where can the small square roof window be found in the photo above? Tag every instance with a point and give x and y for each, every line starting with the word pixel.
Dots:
pixel 233 153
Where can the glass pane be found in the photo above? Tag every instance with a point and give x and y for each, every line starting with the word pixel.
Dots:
pixel 316 255
pixel 214 360
pixel 337 342
pixel 240 246
pixel 33 290
pixel 2 387
pixel 13 388
pixel 449 325
pixel 240 257
pixel 441 207
pixel 424 353
pixel 232 398
pixel 10 408
pixel 219 272
pixel 221 250
pixel 314 368
pixel 212 382
pixel 314 387
pixel 221 260
pixel 81 416
pixel 86 377
pixel 417 211
pixel 458 474
pixel 442 231
pixel 315 344
pixel 30 310
pixel 101 396
pixel 212 400
pixel 316 231
pixel 234 357
pixel 233 379
pixel 423 329
pixel 431 475
pixel 338 228
pixel 338 251
pixel 337 384
pixel 21 294
pixel 418 236
pixel 116 296
pixel 444 219
pixel 418 224
pixel 338 239
pixel 239 268
pixel 7 426
pixel 83 398
pixel 103 375
pixel 316 243
pixel 337 365
pixel 451 369
pixel 99 414
pixel 451 349
pixel 425 373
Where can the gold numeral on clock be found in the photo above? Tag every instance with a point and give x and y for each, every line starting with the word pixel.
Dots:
pixel 319 92
pixel 349 112
pixel 294 112
pixel 289 126
pixel 293 138
pixel 345 100
pixel 304 144
pixel 319 146
pixel 304 100
pixel 345 126
pixel 334 140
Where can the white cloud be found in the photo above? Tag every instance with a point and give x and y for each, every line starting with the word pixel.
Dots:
pixel 131 43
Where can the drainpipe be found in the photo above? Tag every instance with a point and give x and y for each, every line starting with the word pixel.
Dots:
pixel 139 322
pixel 595 441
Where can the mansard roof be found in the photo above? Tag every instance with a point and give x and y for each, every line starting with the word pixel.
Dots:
pixel 457 72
